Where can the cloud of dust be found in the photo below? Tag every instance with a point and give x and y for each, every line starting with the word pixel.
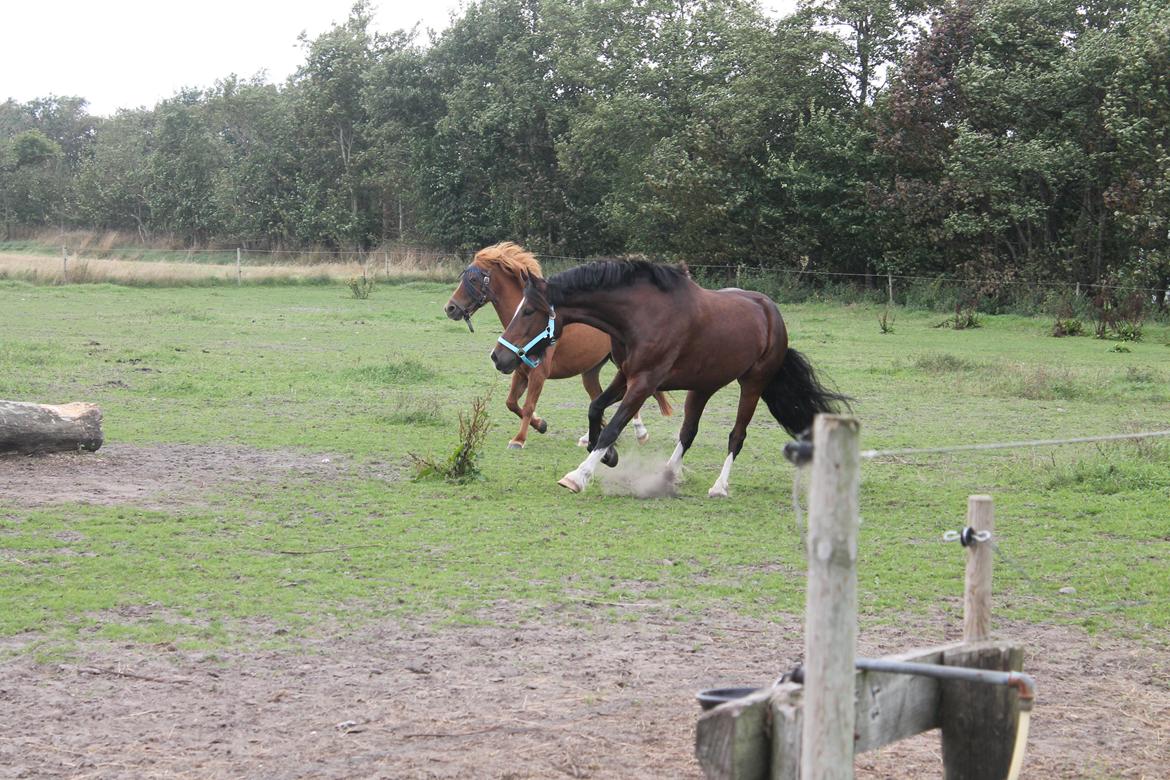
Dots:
pixel 639 475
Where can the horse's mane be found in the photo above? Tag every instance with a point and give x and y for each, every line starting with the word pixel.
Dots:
pixel 610 274
pixel 508 256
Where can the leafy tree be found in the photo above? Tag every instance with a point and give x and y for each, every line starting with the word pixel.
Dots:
pixel 1136 111
pixel 181 170
pixel 113 181
pixel 328 117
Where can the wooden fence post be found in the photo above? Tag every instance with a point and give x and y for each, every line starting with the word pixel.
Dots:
pixel 830 626
pixel 239 268
pixel 64 263
pixel 977 591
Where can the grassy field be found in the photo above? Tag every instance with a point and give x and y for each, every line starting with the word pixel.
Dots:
pixel 310 369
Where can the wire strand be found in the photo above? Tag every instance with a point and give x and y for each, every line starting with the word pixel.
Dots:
pixel 871 454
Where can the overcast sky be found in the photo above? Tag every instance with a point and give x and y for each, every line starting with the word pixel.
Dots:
pixel 131 53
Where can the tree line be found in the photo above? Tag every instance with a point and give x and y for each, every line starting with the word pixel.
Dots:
pixel 1011 140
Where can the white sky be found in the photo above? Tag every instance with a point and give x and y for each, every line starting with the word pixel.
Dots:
pixel 131 53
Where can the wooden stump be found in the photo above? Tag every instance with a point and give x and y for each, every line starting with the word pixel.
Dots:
pixel 36 428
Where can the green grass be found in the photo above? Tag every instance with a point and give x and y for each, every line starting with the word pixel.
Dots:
pixel 314 370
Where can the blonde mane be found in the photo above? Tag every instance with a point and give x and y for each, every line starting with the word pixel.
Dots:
pixel 509 256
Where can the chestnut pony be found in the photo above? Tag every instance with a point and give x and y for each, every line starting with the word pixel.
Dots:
pixel 668 333
pixel 495 276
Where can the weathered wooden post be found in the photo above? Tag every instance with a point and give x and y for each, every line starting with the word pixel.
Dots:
pixel 977 591
pixel 830 625
pixel 239 268
pixel 978 722
pixel 64 263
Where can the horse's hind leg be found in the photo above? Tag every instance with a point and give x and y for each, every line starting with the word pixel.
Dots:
pixel 749 397
pixel 693 410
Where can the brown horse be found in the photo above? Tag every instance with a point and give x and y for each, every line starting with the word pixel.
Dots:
pixel 495 276
pixel 669 333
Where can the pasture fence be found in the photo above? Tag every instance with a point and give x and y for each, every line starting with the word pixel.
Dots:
pixel 811 723
pixel 401 258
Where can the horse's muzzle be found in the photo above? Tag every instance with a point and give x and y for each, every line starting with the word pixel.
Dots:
pixel 504 361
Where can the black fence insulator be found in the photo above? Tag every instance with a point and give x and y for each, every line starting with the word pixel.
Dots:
pixel 799 453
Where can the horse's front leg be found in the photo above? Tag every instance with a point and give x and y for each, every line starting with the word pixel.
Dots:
pixel 578 479
pixel 609 396
pixel 536 379
pixel 519 385
pixel 591 379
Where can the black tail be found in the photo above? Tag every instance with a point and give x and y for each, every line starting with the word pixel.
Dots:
pixel 795 396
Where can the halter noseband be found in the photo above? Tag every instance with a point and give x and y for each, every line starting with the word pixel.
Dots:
pixel 478 296
pixel 549 333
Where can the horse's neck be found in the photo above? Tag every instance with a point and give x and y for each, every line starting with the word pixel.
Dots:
pixel 603 309
pixel 508 297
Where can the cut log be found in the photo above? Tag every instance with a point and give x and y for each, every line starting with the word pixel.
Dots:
pixel 36 428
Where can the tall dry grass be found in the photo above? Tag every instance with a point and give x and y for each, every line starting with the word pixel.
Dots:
pixel 49 269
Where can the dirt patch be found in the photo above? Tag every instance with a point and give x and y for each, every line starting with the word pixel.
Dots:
pixel 567 695
pixel 156 475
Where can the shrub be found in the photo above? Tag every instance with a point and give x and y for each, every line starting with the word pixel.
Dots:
pixel 361 287
pixel 461 465
pixel 1069 327
pixel 942 363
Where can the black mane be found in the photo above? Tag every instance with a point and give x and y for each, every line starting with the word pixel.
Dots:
pixel 610 274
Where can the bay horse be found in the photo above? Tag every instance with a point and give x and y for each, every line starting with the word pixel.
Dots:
pixel 669 333
pixel 495 275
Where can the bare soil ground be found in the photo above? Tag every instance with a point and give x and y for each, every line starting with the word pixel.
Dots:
pixel 571 693
pixel 155 476
pixel 565 696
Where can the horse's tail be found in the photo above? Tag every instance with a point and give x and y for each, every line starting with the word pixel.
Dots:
pixel 795 396
pixel 663 403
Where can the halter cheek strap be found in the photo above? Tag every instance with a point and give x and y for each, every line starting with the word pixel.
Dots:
pixel 549 333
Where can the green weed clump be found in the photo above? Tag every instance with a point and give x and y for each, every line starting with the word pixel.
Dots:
pixel 1068 327
pixel 361 287
pixel 402 372
pixel 943 363
pixel 462 465
pixel 964 318
pixel 1044 383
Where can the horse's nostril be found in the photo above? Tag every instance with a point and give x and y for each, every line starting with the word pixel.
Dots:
pixel 494 358
pixel 450 308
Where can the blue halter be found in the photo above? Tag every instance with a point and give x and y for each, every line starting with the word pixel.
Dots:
pixel 547 333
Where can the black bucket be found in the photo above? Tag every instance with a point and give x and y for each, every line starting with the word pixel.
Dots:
pixel 713 697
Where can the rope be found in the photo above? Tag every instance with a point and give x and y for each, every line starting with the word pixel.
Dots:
pixel 871 454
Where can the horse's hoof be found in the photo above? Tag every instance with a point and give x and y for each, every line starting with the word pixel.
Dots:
pixel 566 482
pixel 717 492
pixel 583 441
pixel 610 458
pixel 515 445
pixel 643 437
pixel 541 426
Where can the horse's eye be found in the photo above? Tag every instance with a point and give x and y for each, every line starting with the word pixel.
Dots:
pixel 528 312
